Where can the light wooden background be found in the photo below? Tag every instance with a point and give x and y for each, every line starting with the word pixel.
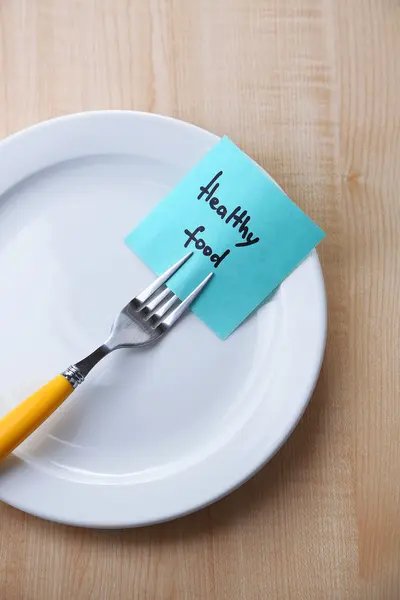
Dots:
pixel 311 89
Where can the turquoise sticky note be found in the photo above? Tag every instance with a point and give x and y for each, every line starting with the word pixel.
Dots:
pixel 240 226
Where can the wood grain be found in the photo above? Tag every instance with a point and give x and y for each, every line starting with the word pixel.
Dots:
pixel 311 89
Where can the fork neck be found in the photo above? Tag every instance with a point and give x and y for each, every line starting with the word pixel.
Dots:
pixel 77 373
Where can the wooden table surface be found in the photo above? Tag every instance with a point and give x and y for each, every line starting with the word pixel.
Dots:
pixel 311 89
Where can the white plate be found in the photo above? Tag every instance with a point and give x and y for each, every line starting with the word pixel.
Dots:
pixel 155 434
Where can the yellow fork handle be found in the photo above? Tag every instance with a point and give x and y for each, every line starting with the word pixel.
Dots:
pixel 19 423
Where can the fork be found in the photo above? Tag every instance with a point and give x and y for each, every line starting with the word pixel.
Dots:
pixel 143 321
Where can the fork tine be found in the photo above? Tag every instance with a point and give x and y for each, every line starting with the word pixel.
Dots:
pixel 153 287
pixel 154 302
pixel 160 312
pixel 178 312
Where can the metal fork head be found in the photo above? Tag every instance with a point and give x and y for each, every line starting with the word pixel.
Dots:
pixel 151 313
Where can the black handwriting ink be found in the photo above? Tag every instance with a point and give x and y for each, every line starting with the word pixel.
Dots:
pixel 200 244
pixel 217 260
pixel 221 211
pixel 214 203
pixel 236 217
pixel 192 236
pixel 249 241
pixel 206 189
